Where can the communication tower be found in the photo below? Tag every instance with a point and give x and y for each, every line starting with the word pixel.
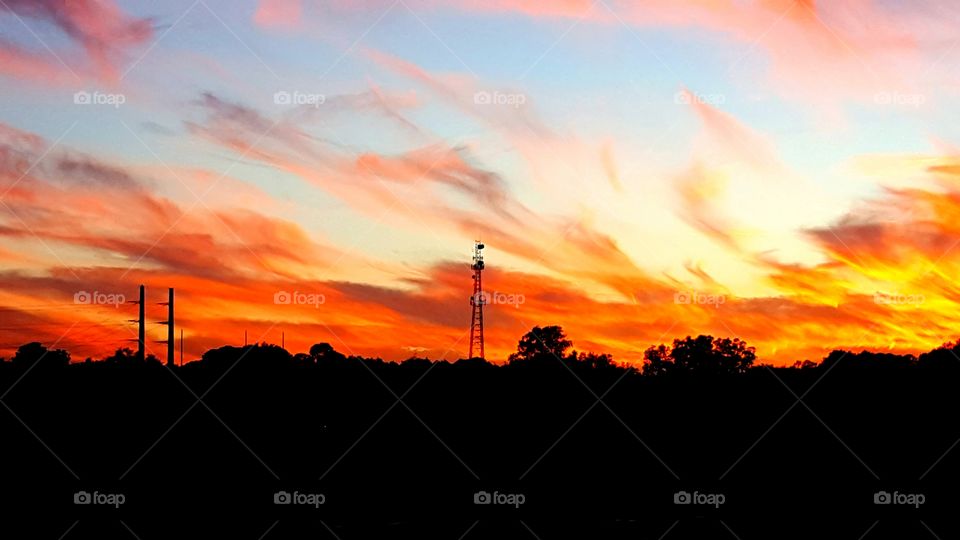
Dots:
pixel 477 300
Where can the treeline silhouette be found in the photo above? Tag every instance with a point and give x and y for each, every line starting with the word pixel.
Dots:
pixel 542 347
pixel 577 433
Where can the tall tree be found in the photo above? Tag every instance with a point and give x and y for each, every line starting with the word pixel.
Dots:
pixel 545 344
pixel 701 355
pixel 35 353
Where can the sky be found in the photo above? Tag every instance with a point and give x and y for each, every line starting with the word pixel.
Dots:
pixel 785 172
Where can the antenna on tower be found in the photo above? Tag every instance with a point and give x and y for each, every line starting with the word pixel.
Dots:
pixel 477 300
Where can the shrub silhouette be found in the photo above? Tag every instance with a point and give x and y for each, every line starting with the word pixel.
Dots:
pixel 124 356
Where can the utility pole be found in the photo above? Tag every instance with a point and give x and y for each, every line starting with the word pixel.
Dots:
pixel 140 330
pixel 141 333
pixel 171 343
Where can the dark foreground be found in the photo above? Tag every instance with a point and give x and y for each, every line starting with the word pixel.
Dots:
pixel 372 450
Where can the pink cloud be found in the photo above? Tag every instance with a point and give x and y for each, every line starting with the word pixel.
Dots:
pixel 37 67
pixel 102 29
pixel 819 53
pixel 283 14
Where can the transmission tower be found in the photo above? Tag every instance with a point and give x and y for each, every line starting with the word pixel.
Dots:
pixel 476 302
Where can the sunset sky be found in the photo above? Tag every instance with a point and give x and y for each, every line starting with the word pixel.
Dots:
pixel 782 171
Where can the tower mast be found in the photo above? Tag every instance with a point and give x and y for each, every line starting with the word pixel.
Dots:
pixel 477 300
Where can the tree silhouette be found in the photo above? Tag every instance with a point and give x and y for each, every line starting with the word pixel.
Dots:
pixel 541 345
pixel 257 355
pixel 806 364
pixel 845 360
pixel 591 360
pixel 702 355
pixel 656 360
pixel 324 354
pixel 947 356
pixel 474 363
pixel 35 353
pixel 416 362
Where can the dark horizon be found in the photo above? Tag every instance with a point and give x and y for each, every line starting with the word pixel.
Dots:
pixel 702 438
